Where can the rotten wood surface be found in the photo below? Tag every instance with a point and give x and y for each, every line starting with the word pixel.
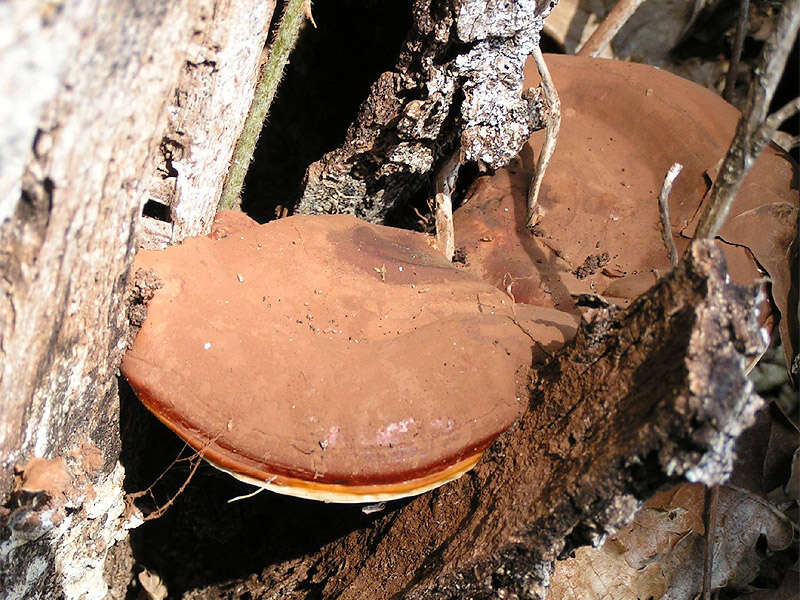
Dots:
pixel 87 88
pixel 205 118
pixel 458 80
pixel 640 397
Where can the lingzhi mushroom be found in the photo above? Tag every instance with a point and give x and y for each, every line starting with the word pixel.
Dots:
pixel 623 126
pixel 327 358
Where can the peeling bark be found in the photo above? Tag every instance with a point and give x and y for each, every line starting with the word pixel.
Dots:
pixel 89 85
pixel 456 84
pixel 205 118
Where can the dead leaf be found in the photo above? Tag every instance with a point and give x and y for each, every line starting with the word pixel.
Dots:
pixel 604 574
pixel 654 533
pixel 660 555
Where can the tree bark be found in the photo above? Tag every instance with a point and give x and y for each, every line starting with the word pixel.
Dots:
pixel 87 88
pixel 456 86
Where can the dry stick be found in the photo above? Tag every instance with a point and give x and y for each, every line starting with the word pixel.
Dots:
pixel 787 111
pixel 755 129
pixel 271 73
pixel 663 211
pixel 550 137
pixel 445 184
pixel 736 53
pixel 602 36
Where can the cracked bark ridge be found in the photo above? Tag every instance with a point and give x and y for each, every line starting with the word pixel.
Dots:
pixel 640 397
pixel 458 80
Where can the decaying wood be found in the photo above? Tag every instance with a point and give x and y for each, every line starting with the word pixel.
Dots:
pixel 654 392
pixel 205 118
pixel 86 91
pixel 458 80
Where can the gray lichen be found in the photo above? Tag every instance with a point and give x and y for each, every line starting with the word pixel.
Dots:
pixel 68 532
pixel 495 117
pixel 457 83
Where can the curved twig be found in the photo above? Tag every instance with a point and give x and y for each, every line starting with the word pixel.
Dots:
pixel 550 137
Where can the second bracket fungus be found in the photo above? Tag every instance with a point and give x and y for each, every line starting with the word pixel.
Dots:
pixel 327 358
pixel 623 126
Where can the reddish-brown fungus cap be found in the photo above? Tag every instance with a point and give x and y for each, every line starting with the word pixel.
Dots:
pixel 623 125
pixel 332 359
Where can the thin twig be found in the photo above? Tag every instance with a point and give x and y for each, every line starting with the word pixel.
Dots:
pixel 602 36
pixel 271 73
pixel 792 143
pixel 159 512
pixel 195 459
pixel 149 490
pixel 445 184
pixel 710 519
pixel 787 111
pixel 736 52
pixel 755 129
pixel 550 137
pixel 663 211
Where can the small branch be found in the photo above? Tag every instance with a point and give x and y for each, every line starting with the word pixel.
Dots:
pixel 755 129
pixel 550 137
pixel 445 184
pixel 792 143
pixel 271 74
pixel 787 111
pixel 602 36
pixel 663 210
pixel 736 52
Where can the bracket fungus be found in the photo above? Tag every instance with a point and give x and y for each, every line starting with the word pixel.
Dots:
pixel 624 125
pixel 330 359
